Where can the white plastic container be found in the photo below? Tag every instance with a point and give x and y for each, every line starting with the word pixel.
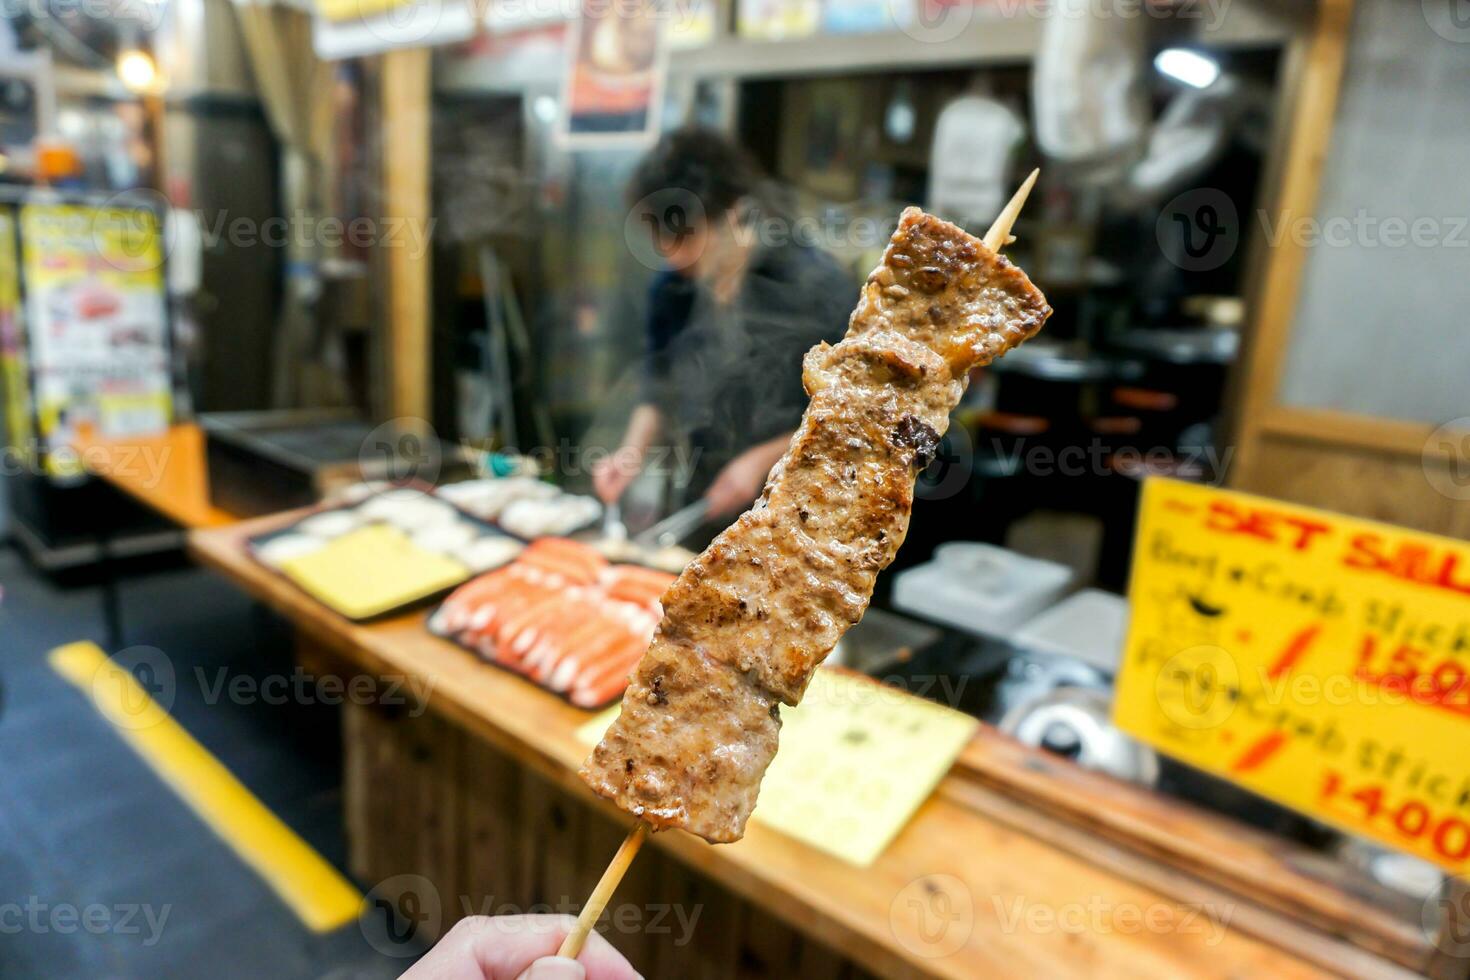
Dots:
pixel 980 588
pixel 1088 627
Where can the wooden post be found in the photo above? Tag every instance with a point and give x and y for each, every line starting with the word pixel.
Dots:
pixel 1322 57
pixel 405 140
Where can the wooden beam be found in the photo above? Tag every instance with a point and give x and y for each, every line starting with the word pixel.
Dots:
pixel 405 139
pixel 1309 141
pixel 1368 433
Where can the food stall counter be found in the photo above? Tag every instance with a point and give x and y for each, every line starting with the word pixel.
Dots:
pixel 956 894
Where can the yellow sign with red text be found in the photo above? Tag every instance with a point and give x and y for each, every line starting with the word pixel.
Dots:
pixel 1315 659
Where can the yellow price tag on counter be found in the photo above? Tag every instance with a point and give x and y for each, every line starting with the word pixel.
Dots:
pixel 1315 659
pixel 857 758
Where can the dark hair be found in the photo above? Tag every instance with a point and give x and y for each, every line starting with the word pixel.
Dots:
pixel 697 161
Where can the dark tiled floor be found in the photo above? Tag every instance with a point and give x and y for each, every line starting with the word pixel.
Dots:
pixel 84 823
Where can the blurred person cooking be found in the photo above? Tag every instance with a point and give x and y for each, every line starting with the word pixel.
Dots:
pixel 738 303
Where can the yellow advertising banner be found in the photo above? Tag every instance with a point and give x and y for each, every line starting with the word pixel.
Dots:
pixel 1318 660
pixel 13 382
pixel 354 28
pixel 350 10
pixel 96 323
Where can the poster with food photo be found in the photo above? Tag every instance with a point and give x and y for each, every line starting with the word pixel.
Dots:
pixel 96 320
pixel 615 73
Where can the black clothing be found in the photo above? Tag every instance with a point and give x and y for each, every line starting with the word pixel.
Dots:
pixel 729 377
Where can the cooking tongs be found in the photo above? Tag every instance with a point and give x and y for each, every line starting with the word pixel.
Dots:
pixel 675 527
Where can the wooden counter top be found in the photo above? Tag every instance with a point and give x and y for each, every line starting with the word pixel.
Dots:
pixel 957 894
pixel 165 472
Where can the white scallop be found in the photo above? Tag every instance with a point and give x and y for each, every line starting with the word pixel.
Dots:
pixel 384 505
pixel 354 493
pixel 560 515
pixel 403 493
pixel 488 498
pixel 420 515
pixel 445 538
pixel 488 552
pixel 277 551
pixel 331 524
pixel 467 491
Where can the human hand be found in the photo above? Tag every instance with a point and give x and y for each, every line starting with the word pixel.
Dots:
pixel 739 482
pixel 518 947
pixel 611 476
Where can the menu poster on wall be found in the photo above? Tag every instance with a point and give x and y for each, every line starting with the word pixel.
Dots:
pixel 96 320
pixel 1315 659
pixel 777 20
pixel 353 28
pixel 866 16
pixel 692 24
pixel 615 73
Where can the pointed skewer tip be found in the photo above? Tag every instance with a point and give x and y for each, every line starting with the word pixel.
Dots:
pixel 1000 232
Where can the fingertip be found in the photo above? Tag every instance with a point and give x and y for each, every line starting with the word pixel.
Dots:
pixel 554 968
pixel 604 961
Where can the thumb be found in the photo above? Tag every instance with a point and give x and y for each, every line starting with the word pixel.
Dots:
pixel 554 968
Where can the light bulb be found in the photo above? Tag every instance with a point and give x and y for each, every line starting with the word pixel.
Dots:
pixel 136 69
pixel 1189 67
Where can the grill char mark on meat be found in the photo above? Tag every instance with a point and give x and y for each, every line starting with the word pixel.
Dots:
pixel 748 621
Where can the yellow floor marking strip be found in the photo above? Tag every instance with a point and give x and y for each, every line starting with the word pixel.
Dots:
pixel 319 894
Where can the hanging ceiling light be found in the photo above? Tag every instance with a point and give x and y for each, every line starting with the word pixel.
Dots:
pixel 1190 67
pixel 136 69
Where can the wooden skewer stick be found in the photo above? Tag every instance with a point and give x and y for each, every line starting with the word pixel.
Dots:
pixel 571 947
pixel 1000 232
